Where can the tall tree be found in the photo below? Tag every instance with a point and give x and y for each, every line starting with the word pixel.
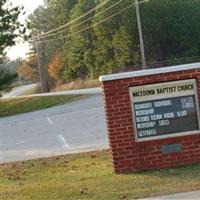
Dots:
pixel 9 25
pixel 125 40
pixel 171 29
pixel 104 52
pixel 108 43
pixel 80 43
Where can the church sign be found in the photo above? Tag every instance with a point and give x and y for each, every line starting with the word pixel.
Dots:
pixel 165 110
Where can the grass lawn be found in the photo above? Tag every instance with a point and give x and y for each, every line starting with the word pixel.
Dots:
pixel 23 105
pixel 89 176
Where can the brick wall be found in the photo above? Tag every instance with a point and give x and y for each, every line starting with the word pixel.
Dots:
pixel 129 155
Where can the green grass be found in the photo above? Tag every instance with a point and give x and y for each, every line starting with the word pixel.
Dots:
pixel 89 176
pixel 29 104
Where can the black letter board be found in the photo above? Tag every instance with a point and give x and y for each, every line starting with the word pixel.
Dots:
pixel 165 110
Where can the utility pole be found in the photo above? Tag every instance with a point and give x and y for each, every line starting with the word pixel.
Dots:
pixel 39 64
pixel 140 35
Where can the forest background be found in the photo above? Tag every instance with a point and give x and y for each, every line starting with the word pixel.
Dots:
pixel 106 40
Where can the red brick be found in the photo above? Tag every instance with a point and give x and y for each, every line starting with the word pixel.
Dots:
pixel 184 76
pixel 129 155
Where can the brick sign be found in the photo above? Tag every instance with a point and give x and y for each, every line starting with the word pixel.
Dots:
pixel 165 109
pixel 152 117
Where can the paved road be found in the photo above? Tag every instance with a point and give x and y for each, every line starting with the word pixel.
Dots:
pixel 181 196
pixel 18 90
pixel 74 127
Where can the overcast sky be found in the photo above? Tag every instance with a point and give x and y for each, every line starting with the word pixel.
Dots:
pixel 20 50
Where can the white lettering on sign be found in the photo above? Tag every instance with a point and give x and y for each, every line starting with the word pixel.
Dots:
pixel 156 117
pixel 143 106
pixel 187 102
pixel 163 103
pixel 149 132
pixel 169 115
pixel 164 109
pixel 144 112
pixel 142 119
pixel 163 122
pixel 182 113
pixel 146 125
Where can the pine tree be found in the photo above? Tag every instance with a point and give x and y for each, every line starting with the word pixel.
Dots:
pixel 80 43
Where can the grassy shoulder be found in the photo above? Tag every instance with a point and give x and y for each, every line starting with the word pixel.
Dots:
pixel 78 84
pixel 89 176
pixel 35 90
pixel 15 106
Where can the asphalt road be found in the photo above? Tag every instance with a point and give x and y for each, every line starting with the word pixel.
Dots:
pixel 22 89
pixel 180 196
pixel 74 127
pixel 19 90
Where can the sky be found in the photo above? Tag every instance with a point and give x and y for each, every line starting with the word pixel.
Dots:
pixel 20 49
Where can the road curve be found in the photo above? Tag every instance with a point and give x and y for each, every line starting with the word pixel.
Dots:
pixel 91 91
pixel 18 91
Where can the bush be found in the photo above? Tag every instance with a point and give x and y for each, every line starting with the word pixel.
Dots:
pixel 28 70
pixel 55 68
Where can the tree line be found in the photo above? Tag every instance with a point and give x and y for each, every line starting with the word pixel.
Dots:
pixel 171 32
